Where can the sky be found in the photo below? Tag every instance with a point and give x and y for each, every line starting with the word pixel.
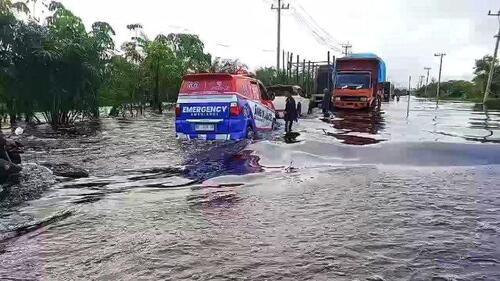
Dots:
pixel 406 34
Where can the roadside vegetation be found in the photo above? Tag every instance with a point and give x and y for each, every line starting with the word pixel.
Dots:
pixel 468 90
pixel 55 70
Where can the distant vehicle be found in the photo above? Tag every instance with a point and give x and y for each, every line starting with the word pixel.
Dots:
pixel 358 81
pixel 323 75
pixel 219 106
pixel 387 91
pixel 280 91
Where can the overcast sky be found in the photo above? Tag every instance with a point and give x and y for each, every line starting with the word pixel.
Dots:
pixel 405 33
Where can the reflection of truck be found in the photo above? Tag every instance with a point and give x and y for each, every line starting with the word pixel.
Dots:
pixel 321 83
pixel 359 81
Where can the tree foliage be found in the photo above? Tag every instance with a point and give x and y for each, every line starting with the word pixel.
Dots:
pixel 460 89
pixel 481 72
pixel 220 65
pixel 65 71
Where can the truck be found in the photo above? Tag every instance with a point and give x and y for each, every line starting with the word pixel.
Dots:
pixel 324 74
pixel 388 91
pixel 360 82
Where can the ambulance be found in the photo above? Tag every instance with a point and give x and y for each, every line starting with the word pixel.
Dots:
pixel 221 106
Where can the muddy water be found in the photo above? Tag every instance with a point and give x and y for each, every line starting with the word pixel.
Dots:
pixel 357 196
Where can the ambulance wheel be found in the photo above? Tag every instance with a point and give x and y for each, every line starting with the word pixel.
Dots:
pixel 299 109
pixel 250 133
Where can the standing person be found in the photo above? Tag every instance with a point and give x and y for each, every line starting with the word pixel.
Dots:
pixel 290 112
pixel 327 99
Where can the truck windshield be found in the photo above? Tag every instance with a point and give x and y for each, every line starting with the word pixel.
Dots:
pixel 352 81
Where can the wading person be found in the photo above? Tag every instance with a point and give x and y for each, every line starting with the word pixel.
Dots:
pixel 290 112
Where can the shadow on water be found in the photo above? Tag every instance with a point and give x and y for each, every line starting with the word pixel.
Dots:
pixel 349 124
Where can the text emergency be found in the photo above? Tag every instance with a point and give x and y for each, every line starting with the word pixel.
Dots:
pixel 205 110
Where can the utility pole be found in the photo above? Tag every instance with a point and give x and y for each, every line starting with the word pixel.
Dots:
pixel 329 74
pixel 421 81
pixel 409 94
pixel 441 55
pixel 283 61
pixel 492 67
pixel 347 47
pixel 278 9
pixel 303 73
pixel 297 70
pixel 427 80
pixel 309 77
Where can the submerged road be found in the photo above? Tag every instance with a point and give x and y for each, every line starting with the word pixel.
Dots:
pixel 358 196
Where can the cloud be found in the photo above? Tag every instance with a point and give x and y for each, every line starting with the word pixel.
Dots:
pixel 405 33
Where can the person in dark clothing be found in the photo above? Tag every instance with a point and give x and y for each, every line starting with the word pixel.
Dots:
pixel 327 99
pixel 291 114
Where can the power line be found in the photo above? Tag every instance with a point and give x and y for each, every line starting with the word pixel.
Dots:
pixel 328 35
pixel 315 32
pixel 318 33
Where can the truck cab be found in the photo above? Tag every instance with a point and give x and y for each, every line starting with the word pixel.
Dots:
pixel 358 82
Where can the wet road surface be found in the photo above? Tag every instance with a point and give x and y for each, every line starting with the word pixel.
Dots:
pixel 358 196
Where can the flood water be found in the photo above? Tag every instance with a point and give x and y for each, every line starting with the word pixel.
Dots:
pixel 358 196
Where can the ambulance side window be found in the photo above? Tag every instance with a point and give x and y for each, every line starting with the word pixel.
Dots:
pixel 265 95
pixel 255 91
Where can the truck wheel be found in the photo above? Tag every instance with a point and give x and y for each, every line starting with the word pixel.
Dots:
pixel 299 109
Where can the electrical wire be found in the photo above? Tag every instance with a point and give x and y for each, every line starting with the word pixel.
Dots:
pixel 304 19
pixel 313 21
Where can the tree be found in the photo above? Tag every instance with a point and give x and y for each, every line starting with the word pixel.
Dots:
pixel 481 71
pixel 267 75
pixel 66 72
pixel 220 65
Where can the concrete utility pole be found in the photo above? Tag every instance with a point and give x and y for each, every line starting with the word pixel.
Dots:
pixel 297 70
pixel 427 80
pixel 492 67
pixel 329 76
pixel 421 81
pixel 347 47
pixel 409 94
pixel 441 55
pixel 278 9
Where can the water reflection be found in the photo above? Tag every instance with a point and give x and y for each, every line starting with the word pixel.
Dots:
pixel 207 160
pixel 352 127
pixel 486 120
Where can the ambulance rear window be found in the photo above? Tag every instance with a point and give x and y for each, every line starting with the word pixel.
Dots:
pixel 207 85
